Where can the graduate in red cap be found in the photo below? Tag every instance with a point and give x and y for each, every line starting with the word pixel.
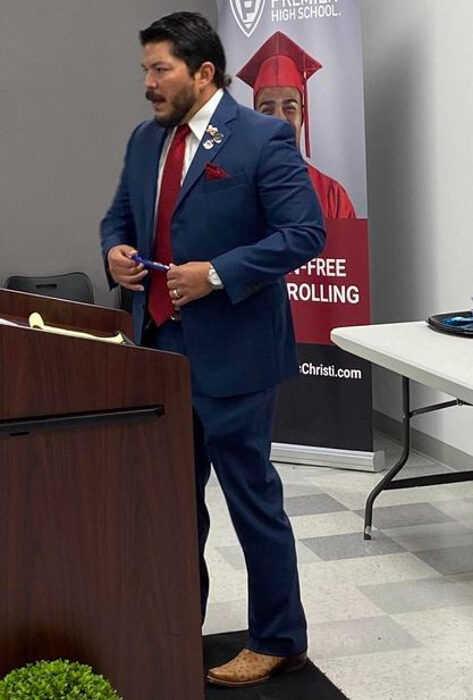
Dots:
pixel 278 74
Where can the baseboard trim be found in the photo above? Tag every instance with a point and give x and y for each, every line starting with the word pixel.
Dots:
pixel 327 457
pixel 425 444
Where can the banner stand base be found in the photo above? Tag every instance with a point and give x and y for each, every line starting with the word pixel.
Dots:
pixel 311 456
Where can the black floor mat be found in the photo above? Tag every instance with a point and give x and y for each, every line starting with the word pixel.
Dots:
pixel 307 684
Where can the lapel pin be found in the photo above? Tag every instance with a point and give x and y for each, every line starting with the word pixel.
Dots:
pixel 216 137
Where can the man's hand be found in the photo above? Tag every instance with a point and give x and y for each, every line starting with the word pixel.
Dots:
pixel 123 270
pixel 188 282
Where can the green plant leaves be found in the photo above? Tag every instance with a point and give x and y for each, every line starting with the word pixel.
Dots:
pixel 56 680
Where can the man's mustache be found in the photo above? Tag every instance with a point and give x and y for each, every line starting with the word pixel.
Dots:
pixel 152 97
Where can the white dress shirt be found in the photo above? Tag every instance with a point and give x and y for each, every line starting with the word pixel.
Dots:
pixel 198 124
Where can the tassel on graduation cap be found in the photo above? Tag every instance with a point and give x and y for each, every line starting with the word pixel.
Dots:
pixel 280 62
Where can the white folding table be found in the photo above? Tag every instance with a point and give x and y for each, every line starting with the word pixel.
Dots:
pixel 416 352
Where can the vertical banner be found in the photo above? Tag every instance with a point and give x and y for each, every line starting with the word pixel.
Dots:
pixel 301 60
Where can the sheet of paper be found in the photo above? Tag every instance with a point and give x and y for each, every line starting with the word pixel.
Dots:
pixel 36 321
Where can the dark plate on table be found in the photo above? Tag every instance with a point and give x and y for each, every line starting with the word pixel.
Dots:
pixel 455 322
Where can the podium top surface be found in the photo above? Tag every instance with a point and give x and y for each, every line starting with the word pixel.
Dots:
pixel 416 351
pixel 17 306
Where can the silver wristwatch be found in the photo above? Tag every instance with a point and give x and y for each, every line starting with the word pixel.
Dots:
pixel 213 278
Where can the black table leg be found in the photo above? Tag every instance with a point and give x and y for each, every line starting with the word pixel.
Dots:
pixel 406 443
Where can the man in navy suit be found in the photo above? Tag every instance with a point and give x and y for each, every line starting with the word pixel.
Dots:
pixel 222 194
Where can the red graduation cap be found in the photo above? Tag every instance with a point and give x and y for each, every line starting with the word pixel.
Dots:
pixel 280 62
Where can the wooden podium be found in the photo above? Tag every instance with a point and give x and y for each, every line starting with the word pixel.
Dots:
pixel 98 544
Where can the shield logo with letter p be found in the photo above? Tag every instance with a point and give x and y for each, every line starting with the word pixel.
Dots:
pixel 247 14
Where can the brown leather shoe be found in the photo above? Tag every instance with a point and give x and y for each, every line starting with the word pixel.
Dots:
pixel 250 668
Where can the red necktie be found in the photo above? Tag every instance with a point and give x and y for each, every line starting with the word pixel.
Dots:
pixel 159 303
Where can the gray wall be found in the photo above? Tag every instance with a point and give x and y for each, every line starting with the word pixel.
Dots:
pixel 70 92
pixel 419 113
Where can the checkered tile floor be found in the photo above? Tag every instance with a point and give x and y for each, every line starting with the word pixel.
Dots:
pixel 389 619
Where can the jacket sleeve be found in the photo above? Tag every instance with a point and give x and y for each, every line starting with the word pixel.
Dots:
pixel 118 226
pixel 294 228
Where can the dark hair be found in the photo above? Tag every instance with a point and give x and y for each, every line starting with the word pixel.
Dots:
pixel 193 41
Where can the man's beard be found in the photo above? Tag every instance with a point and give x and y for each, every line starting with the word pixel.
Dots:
pixel 180 106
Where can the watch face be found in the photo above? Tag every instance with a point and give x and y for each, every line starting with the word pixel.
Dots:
pixel 214 279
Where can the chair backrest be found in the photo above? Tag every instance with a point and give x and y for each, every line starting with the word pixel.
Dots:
pixel 74 286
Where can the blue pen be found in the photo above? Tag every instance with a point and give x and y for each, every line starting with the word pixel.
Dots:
pixel 150 264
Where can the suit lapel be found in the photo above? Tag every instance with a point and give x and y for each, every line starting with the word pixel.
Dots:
pixel 225 113
pixel 150 179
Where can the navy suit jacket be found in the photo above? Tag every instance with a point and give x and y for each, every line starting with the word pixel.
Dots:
pixel 256 225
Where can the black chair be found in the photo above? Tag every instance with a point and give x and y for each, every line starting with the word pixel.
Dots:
pixel 74 286
pixel 125 299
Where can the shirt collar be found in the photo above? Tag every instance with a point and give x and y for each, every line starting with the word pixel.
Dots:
pixel 200 121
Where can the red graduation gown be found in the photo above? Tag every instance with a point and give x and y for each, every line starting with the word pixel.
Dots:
pixel 333 198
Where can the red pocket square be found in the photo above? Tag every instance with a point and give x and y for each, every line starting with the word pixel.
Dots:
pixel 215 172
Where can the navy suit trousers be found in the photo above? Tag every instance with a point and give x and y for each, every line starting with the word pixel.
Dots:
pixel 234 435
